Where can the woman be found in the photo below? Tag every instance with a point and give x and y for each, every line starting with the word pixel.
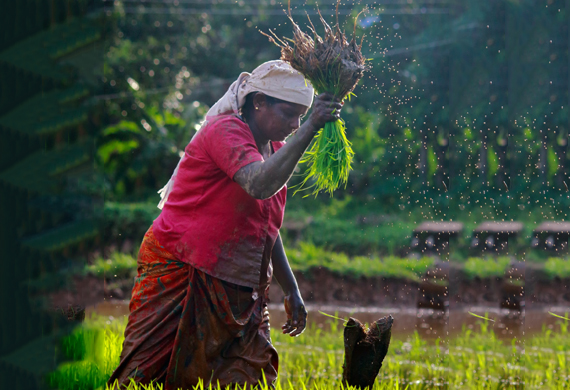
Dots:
pixel 198 308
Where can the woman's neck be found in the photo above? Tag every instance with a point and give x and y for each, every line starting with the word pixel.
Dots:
pixel 263 144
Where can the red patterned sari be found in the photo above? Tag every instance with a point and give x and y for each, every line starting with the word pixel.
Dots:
pixel 185 325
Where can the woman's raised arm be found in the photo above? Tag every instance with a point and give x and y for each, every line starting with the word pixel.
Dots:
pixel 263 179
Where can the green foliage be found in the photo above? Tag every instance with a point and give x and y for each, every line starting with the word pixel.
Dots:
pixel 116 147
pixel 557 267
pixel 118 265
pixel 149 125
pixel 37 53
pixel 148 149
pixel 48 113
pixel 128 220
pixel 369 149
pixel 408 101
pixel 64 236
pixel 432 161
pixel 308 256
pixel 347 225
pixel 493 161
pixel 346 235
pixel 553 163
pixel 489 267
pixel 39 172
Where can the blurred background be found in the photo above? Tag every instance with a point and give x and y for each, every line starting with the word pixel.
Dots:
pixel 457 200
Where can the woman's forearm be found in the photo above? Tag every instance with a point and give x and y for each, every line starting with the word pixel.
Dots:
pixel 263 179
pixel 282 270
pixel 294 305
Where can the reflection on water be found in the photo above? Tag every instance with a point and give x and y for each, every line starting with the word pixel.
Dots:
pixel 429 323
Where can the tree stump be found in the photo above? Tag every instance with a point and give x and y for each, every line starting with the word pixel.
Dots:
pixel 364 351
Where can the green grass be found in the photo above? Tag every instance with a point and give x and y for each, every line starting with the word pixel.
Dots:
pixel 308 256
pixel 93 351
pixel 303 258
pixel 557 267
pixel 473 360
pixel 489 267
pixel 118 265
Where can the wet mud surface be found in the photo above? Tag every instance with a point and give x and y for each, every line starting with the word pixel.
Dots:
pixel 430 324
pixel 366 299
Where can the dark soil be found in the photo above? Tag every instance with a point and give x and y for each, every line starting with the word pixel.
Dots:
pixel 87 291
pixel 324 286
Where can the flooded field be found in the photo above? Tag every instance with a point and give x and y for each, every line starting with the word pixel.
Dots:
pixel 429 323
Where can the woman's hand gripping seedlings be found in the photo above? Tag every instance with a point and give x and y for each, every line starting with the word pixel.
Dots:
pixel 326 108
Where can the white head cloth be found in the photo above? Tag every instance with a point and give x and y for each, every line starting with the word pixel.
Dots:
pixel 273 78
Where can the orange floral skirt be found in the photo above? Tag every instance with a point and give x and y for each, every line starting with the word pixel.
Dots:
pixel 185 325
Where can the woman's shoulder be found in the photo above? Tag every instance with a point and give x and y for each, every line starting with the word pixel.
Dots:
pixel 225 122
pixel 223 127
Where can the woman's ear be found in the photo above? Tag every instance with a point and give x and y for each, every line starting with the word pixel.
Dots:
pixel 259 101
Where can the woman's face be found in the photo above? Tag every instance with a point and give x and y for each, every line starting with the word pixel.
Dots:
pixel 277 121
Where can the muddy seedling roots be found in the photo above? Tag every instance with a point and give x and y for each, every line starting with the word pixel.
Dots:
pixel 364 351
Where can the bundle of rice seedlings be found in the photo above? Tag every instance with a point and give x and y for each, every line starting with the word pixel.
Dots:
pixel 331 64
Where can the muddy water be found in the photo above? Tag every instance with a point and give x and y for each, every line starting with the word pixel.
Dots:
pixel 429 323
pixel 432 324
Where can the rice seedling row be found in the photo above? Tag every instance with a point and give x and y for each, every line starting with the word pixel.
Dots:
pixel 472 360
